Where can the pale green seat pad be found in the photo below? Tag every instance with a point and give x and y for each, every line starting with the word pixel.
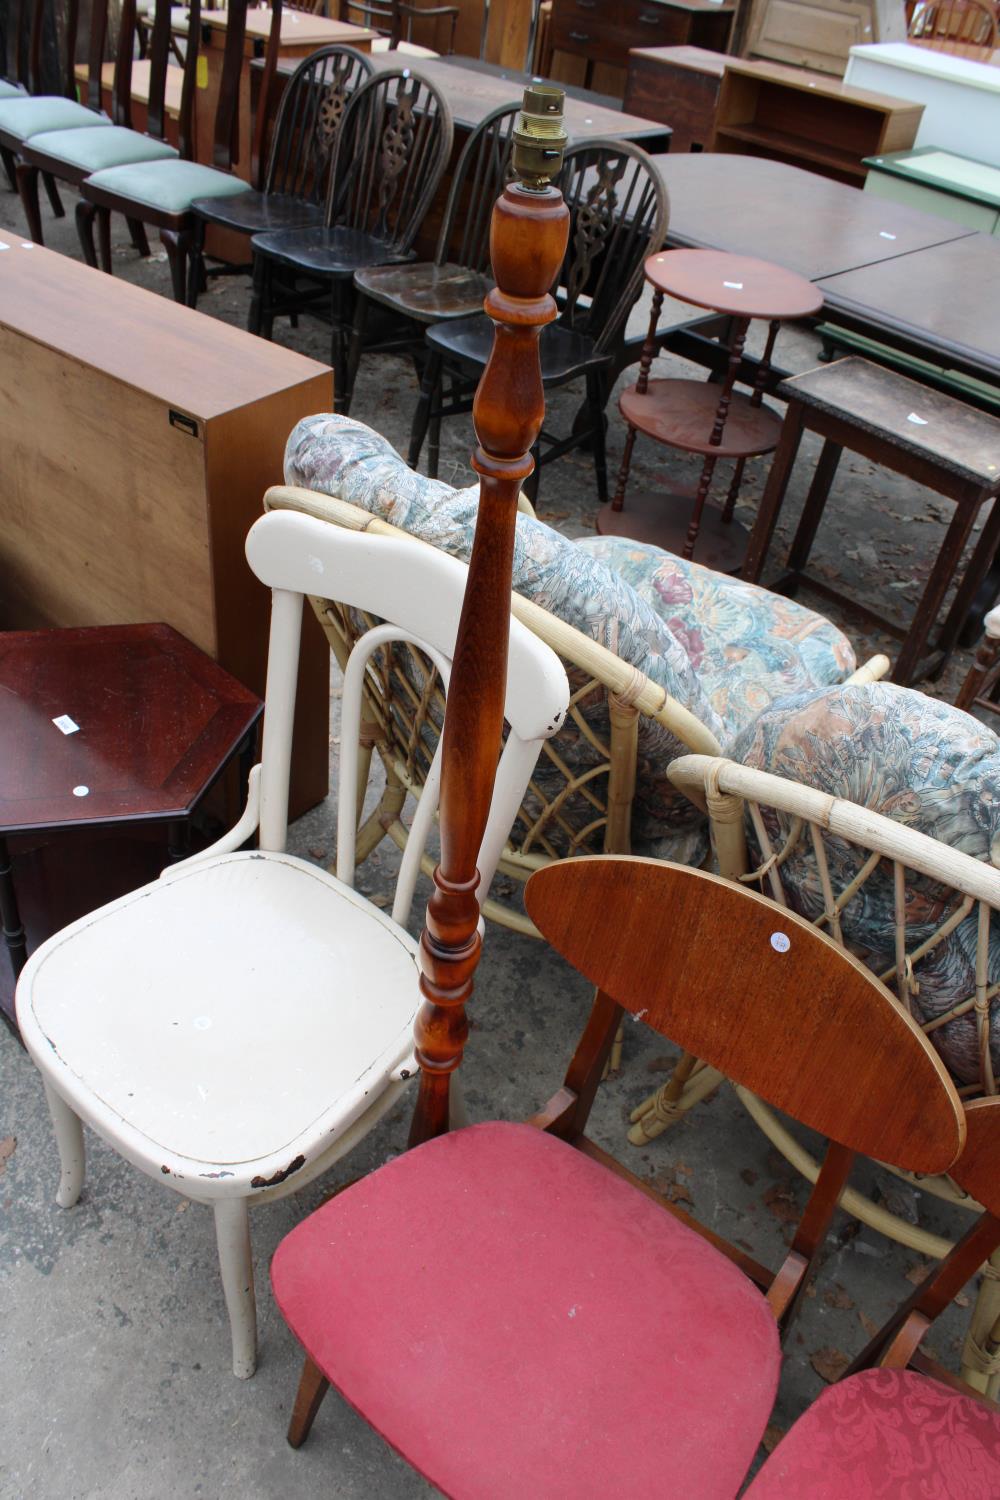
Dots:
pixel 170 186
pixel 94 149
pixel 22 118
pixel 11 90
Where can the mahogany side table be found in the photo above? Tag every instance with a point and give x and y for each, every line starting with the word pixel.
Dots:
pixel 701 417
pixel 118 730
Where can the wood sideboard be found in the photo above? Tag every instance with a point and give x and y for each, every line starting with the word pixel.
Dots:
pixel 137 439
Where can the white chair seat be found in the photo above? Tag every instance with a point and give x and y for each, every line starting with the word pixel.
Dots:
pixel 225 1019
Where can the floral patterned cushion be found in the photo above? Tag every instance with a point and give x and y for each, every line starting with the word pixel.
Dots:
pixel 656 627
pixel 922 763
pixel 886 1435
pixel 749 647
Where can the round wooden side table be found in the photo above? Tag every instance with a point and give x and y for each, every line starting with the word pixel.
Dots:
pixel 700 416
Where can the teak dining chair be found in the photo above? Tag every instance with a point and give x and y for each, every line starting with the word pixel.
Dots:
pixel 236 1026
pixel 71 155
pixel 303 142
pixel 618 210
pixel 393 147
pixel 161 193
pixel 405 299
pixel 552 1294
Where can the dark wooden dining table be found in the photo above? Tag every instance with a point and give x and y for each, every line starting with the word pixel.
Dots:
pixel 921 284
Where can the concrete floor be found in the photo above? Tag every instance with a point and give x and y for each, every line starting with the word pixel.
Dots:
pixel 114 1352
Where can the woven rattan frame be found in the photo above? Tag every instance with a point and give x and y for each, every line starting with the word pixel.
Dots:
pixel 398 723
pixel 728 792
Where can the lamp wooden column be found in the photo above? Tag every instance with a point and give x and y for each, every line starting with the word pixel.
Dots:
pixel 527 242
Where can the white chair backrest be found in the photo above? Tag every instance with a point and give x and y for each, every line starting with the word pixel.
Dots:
pixel 418 592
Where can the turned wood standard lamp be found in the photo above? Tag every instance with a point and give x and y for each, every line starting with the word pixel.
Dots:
pixel 528 238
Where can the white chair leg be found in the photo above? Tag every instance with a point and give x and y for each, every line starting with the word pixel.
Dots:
pixel 232 1232
pixel 69 1140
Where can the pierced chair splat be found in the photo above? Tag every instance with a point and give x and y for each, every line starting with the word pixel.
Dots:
pixel 393 147
pixel 619 210
pixel 303 143
pixel 402 300
pixel 216 1065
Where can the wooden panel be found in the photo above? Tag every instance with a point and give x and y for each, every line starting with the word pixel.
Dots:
pixel 680 86
pixel 820 33
pixel 603 36
pixel 138 439
pixel 95 524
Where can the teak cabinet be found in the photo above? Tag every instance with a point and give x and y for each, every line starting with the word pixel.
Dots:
pixel 137 440
pixel 604 33
pixel 809 120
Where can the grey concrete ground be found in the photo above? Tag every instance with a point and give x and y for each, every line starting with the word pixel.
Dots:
pixel 114 1353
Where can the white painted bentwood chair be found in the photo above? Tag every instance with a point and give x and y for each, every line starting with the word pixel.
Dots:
pixel 239 1024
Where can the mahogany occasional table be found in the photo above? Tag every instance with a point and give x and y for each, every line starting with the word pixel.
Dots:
pixel 110 730
pixel 698 416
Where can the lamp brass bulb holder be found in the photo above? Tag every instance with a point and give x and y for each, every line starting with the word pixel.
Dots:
pixel 539 137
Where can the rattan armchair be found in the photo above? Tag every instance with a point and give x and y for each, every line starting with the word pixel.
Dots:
pixel 565 812
pixel 790 824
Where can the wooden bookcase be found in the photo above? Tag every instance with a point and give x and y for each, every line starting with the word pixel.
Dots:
pixel 138 438
pixel 809 120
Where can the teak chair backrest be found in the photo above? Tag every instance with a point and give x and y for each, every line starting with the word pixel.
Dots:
pixel 309 120
pixel 763 996
pixel 391 153
pixel 618 216
pixel 760 994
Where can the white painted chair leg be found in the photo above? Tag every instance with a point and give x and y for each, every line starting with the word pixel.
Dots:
pixel 232 1232
pixel 69 1140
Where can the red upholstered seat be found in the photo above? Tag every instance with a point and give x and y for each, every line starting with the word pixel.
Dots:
pixel 886 1435
pixel 519 1322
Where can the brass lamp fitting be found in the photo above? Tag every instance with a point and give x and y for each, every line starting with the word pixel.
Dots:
pixel 539 137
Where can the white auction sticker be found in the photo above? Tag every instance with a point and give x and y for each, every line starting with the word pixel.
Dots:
pixel 917 421
pixel 66 724
pixel 736 286
pixel 780 942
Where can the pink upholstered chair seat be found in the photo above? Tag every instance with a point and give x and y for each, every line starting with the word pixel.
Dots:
pixel 886 1435
pixel 518 1321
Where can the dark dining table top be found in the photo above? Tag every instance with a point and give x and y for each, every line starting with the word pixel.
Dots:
pixel 806 223
pixel 943 302
pixel 473 89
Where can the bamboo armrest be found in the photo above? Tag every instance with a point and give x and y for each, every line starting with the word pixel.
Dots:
pixel 617 676
pixel 918 851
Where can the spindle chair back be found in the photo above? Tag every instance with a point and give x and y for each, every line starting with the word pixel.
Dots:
pixel 964 28
pixel 309 120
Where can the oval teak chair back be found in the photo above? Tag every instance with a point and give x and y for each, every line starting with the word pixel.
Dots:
pixel 761 995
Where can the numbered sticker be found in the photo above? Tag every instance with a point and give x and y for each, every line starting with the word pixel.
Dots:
pixel 780 942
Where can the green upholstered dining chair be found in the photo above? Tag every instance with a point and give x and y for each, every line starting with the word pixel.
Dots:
pixel 160 193
pixel 71 155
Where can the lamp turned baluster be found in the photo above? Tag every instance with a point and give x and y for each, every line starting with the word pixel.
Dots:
pixel 528 238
